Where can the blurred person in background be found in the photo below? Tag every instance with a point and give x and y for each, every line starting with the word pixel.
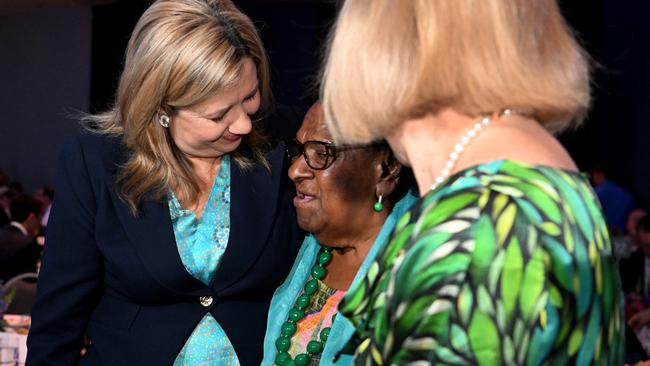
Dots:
pixel 46 196
pixel 4 199
pixel 635 279
pixel 617 203
pixel 19 252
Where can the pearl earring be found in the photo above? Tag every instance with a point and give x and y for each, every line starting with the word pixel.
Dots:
pixel 164 120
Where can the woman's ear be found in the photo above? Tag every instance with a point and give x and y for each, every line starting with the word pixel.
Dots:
pixel 392 167
pixel 389 175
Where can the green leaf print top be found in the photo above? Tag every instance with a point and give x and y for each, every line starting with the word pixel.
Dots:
pixel 504 264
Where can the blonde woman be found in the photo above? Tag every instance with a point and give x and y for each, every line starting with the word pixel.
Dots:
pixel 505 259
pixel 172 223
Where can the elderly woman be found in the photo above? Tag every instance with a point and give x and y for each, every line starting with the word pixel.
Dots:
pixel 172 224
pixel 506 258
pixel 349 198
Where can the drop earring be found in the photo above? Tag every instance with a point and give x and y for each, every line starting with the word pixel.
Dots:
pixel 378 206
pixel 164 120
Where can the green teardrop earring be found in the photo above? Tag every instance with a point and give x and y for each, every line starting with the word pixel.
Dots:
pixel 378 206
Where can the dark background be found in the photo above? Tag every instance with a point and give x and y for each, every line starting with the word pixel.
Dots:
pixel 60 60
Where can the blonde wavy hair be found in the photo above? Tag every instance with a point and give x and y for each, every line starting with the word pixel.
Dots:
pixel 390 61
pixel 181 52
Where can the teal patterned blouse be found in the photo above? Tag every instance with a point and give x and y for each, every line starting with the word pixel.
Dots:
pixel 504 264
pixel 201 243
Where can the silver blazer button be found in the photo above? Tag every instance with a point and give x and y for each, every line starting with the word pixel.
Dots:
pixel 205 300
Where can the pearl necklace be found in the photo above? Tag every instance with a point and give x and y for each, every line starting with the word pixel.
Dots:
pixel 459 148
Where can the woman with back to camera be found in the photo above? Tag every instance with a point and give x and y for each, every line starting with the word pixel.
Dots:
pixel 172 225
pixel 349 198
pixel 505 259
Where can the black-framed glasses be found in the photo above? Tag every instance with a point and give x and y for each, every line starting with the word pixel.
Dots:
pixel 318 155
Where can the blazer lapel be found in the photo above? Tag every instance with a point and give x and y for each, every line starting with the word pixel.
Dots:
pixel 254 196
pixel 153 238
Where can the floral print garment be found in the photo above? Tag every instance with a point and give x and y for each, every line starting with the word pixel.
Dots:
pixel 201 243
pixel 504 264
pixel 318 316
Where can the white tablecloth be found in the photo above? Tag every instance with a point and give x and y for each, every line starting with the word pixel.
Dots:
pixel 13 349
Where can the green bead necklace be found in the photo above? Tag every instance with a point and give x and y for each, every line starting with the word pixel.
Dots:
pixel 289 327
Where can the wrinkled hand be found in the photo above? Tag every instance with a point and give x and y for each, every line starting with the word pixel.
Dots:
pixel 640 319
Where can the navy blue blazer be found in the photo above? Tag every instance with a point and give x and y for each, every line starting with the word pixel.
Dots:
pixel 119 279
